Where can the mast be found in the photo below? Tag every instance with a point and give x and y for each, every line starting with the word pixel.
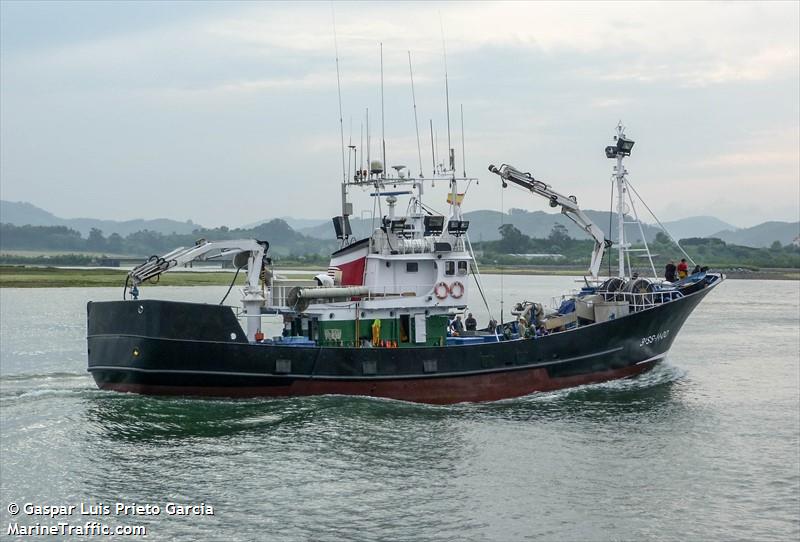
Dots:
pixel 621 190
pixel 620 150
pixel 620 218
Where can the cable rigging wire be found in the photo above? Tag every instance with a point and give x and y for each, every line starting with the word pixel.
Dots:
pixel 664 229
pixel 235 276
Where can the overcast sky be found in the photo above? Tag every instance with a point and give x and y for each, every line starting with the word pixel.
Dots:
pixel 227 113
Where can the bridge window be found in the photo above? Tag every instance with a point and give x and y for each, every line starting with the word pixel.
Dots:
pixel 449 267
pixel 412 267
pixel 462 268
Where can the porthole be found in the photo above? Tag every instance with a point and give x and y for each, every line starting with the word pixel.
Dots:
pixel 233 336
pixel 391 314
pixel 388 264
pixel 330 316
pixel 140 310
pixel 136 352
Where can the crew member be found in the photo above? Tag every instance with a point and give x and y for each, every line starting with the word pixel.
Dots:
pixel 471 323
pixel 683 269
pixel 522 327
pixel 669 272
pixel 457 327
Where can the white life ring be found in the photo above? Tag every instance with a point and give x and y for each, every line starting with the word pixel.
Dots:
pixel 456 290
pixel 441 290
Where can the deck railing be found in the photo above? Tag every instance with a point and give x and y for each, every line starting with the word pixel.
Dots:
pixel 638 301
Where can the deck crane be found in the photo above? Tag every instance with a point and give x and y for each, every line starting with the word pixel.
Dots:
pixel 569 208
pixel 246 252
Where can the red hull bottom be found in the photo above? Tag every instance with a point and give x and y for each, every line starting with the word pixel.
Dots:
pixel 475 388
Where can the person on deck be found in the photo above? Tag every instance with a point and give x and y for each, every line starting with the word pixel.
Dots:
pixel 683 269
pixel 669 272
pixel 696 269
pixel 522 327
pixel 457 326
pixel 471 323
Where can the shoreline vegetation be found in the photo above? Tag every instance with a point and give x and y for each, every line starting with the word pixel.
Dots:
pixel 18 276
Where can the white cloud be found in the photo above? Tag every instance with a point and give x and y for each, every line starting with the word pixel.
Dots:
pixel 241 74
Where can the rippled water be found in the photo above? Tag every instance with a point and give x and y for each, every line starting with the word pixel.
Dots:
pixel 705 447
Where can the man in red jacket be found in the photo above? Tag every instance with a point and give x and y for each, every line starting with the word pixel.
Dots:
pixel 683 269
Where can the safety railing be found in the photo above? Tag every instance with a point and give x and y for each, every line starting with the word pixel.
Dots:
pixel 278 294
pixel 279 291
pixel 452 288
pixel 398 244
pixel 638 301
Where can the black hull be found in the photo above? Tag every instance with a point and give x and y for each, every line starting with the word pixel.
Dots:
pixel 170 348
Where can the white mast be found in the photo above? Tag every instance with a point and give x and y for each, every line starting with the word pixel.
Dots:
pixel 619 174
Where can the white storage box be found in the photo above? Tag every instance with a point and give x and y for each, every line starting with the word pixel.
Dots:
pixel 584 306
pixel 609 310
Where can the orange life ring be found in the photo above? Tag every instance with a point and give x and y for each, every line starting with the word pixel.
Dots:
pixel 441 290
pixel 456 290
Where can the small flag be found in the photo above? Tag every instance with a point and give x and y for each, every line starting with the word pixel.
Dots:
pixel 459 198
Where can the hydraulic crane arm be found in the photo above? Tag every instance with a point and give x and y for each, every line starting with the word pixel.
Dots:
pixel 244 250
pixel 569 208
pixel 156 265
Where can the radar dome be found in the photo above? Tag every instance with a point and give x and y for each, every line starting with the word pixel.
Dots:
pixel 376 166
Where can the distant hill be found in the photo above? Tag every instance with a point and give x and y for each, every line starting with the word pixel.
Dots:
pixel 762 235
pixel 361 228
pixel 22 213
pixel 484 225
pixel 538 224
pixel 697 226
pixel 284 241
pixel 295 223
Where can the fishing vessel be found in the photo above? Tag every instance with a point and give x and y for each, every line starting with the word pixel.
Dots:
pixel 380 321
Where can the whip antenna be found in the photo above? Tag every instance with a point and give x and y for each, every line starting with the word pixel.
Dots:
pixel 433 150
pixel 383 128
pixel 414 101
pixel 339 90
pixel 463 152
pixel 447 96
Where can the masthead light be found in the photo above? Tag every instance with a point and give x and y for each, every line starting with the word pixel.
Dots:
pixel 622 148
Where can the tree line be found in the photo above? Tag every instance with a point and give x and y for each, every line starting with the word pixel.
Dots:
pixel 513 244
pixel 512 248
pixel 282 238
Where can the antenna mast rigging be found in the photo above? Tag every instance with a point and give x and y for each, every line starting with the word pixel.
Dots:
pixel 414 101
